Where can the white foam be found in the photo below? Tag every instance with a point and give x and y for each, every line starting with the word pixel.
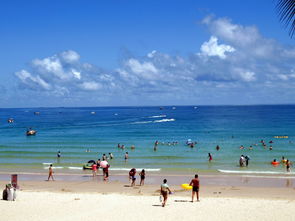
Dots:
pixel 128 169
pixel 142 122
pixel 164 120
pixel 46 168
pixel 254 172
pixel 75 168
pixel 157 116
pixel 46 163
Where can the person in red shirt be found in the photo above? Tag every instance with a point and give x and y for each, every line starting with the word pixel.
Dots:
pixel 94 169
pixel 196 186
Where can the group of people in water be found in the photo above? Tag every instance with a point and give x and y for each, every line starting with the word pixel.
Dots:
pixel 244 160
pixel 287 163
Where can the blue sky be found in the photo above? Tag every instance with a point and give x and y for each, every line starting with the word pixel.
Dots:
pixel 160 52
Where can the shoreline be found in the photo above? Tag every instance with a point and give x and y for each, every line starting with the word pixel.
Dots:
pixel 213 182
pixel 208 179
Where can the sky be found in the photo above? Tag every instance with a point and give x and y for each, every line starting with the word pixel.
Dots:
pixel 61 53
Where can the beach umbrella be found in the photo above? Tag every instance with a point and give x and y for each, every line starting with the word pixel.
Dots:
pixel 104 164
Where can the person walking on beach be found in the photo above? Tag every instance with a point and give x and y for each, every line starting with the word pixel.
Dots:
pixel 58 154
pixel 217 147
pixel 106 173
pixel 50 173
pixel 132 177
pixel 142 177
pixel 196 187
pixel 164 191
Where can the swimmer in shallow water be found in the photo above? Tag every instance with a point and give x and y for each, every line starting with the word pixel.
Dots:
pixel 210 157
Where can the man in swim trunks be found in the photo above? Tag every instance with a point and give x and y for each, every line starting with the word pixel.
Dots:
pixel 196 186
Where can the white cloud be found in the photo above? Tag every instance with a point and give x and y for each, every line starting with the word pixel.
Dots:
pixel 62 74
pixel 141 68
pixel 76 74
pixel 211 48
pixel 233 33
pixel 70 56
pixel 91 86
pixel 35 81
pixel 151 54
pixel 245 63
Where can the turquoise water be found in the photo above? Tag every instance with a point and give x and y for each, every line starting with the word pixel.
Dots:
pixel 74 130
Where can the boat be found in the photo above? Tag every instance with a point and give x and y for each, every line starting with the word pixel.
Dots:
pixel 31 132
pixel 10 120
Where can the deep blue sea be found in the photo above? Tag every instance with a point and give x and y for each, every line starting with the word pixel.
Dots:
pixel 100 129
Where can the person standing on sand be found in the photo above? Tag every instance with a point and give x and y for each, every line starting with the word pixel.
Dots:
pixel 94 169
pixel 196 187
pixel 164 191
pixel 58 154
pixel 217 147
pixel 132 177
pixel 50 173
pixel 106 173
pixel 142 177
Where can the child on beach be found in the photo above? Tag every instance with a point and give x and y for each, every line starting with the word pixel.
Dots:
pixel 50 173
pixel 164 191
pixel 142 177
pixel 196 186
pixel 94 169
pixel 132 173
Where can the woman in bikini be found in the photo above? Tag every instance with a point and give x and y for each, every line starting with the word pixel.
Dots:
pixel 164 191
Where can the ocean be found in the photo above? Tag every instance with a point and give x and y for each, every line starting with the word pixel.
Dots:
pixel 73 131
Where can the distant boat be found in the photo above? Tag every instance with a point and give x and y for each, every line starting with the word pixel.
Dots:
pixel 36 112
pixel 93 112
pixel 173 108
pixel 10 120
pixel 195 107
pixel 161 108
pixel 31 132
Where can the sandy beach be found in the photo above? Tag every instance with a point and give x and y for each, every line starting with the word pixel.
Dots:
pixel 116 200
